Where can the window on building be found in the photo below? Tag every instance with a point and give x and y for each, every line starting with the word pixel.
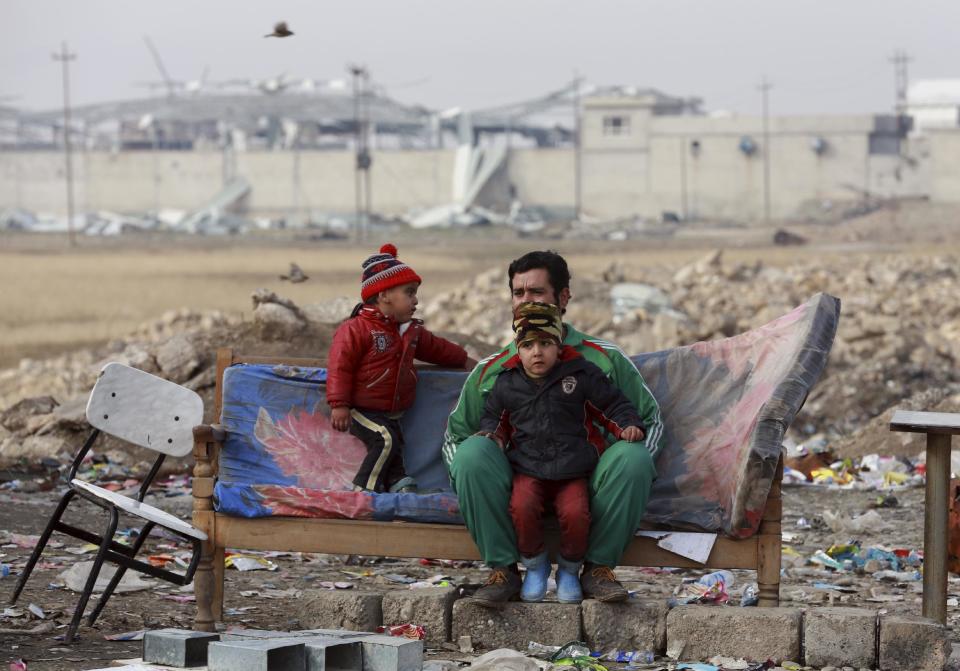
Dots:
pixel 616 125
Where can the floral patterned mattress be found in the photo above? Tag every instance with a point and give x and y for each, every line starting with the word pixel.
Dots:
pixel 726 405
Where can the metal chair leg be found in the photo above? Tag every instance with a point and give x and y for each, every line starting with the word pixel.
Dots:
pixel 41 544
pixel 118 574
pixel 94 572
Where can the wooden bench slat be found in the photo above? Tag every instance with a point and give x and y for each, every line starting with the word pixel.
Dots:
pixel 447 541
pixel 926 422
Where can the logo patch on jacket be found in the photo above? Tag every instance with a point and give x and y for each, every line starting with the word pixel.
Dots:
pixel 568 384
pixel 380 341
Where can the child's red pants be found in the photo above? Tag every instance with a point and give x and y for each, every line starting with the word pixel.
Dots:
pixel 571 502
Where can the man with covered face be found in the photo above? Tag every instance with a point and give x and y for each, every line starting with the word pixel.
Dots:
pixel 481 473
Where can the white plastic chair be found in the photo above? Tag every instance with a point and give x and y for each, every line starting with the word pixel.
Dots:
pixel 155 414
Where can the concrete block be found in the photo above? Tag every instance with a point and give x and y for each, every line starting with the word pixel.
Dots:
pixel 774 633
pixel 391 653
pixel 177 647
pixel 840 637
pixel 258 635
pixel 275 654
pixel 430 607
pixel 338 609
pixel 333 654
pixel 632 625
pixel 516 624
pixel 264 634
pixel 911 643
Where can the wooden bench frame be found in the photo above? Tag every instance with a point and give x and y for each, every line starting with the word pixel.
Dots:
pixel 760 552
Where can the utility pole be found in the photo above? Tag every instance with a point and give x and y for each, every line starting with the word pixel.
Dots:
pixel 362 153
pixel 765 87
pixel 577 174
pixel 65 57
pixel 901 80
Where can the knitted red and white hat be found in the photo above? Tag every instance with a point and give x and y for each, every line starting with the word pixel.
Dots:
pixel 383 271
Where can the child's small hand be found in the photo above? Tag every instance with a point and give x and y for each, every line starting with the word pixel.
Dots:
pixel 340 418
pixel 632 434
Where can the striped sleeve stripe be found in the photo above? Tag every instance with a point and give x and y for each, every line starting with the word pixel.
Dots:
pixel 655 432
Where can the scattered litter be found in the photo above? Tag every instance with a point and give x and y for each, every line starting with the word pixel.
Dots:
pixel 711 588
pixel 75 578
pixel 18 665
pixel 327 584
pixel 898 576
pixel 249 563
pixel 36 611
pixel 89 547
pixel 126 636
pixel 628 656
pixel 730 663
pixel 414 631
pixel 751 595
pixel 505 659
pixel 187 598
pixel 870 521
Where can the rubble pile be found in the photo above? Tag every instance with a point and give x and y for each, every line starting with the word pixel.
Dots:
pixel 898 342
pixel 899 330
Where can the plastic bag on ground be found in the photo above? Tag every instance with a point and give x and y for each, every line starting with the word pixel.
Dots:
pixel 505 659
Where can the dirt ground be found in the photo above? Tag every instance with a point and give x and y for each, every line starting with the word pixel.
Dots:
pixel 275 606
pixel 56 299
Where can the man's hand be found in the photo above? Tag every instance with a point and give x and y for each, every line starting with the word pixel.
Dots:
pixel 492 436
pixel 340 418
pixel 632 434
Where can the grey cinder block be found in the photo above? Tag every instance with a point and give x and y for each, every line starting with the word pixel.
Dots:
pixel 709 631
pixel 340 609
pixel 912 643
pixel 177 647
pixel 631 625
pixel 391 653
pixel 276 654
pixel 333 654
pixel 516 624
pixel 840 637
pixel 431 607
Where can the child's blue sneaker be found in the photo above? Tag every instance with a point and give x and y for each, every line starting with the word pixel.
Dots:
pixel 535 579
pixel 568 581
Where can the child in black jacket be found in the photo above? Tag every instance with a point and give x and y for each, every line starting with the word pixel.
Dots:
pixel 541 411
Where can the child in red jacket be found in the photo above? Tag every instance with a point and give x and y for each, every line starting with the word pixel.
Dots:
pixel 370 375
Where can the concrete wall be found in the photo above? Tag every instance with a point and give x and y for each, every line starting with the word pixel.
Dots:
pixel 626 175
pixel 141 181
pixel 622 175
pixel 944 147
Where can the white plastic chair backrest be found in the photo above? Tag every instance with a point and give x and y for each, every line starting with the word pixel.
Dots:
pixel 144 409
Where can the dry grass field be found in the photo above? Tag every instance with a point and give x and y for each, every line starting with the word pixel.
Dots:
pixel 54 298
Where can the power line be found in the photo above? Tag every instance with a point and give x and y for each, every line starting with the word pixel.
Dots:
pixel 65 57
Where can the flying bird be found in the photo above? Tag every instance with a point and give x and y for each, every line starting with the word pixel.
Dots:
pixel 296 275
pixel 280 30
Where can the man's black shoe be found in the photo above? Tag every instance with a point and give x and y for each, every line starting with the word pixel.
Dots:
pixel 503 585
pixel 600 583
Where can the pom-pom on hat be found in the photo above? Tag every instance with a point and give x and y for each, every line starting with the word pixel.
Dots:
pixel 384 271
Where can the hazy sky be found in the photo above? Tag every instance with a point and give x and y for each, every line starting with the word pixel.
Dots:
pixel 827 56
